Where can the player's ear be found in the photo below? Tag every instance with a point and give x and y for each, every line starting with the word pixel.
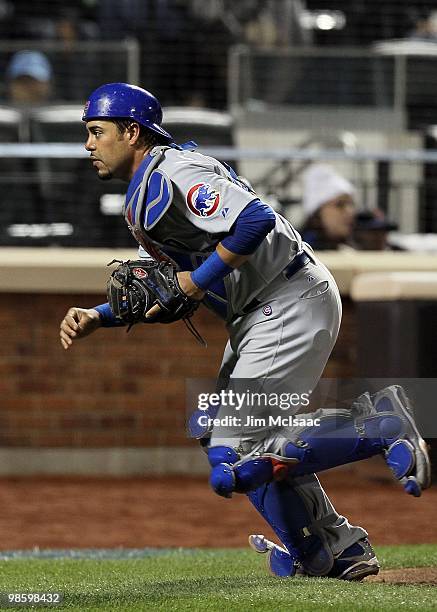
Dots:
pixel 133 131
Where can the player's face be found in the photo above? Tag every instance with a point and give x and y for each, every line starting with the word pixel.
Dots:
pixel 110 152
pixel 337 217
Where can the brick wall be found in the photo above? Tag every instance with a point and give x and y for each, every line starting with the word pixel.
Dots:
pixel 112 389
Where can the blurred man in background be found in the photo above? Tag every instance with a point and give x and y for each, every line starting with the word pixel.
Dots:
pixel 372 229
pixel 29 78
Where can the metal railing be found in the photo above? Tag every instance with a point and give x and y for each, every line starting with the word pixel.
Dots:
pixel 392 75
pixel 61 187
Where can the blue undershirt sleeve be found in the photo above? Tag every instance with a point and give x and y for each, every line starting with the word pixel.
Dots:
pixel 250 228
pixel 252 225
pixel 107 317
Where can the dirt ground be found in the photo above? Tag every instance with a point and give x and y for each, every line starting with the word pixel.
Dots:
pixel 408 575
pixel 171 512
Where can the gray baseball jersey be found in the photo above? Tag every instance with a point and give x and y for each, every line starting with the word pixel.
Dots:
pixel 180 204
pixel 205 199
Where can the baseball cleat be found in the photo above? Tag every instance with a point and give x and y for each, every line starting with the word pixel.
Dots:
pixel 408 456
pixel 279 560
pixel 355 562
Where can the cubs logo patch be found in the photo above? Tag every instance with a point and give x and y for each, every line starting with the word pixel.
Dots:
pixel 267 310
pixel 139 272
pixel 203 200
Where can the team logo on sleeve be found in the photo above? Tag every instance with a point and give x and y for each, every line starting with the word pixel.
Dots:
pixel 203 200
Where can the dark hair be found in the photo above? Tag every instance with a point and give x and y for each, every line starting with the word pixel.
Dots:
pixel 315 234
pixel 147 137
pixel 313 222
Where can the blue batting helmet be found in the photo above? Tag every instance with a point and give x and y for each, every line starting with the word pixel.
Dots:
pixel 124 101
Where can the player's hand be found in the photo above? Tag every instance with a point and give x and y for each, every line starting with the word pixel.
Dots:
pixel 187 286
pixel 78 323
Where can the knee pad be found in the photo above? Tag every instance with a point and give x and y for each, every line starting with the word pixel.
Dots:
pixel 249 474
pixel 222 454
pixel 199 424
pixel 222 478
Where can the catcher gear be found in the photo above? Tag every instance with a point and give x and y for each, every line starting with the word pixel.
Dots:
pixel 353 564
pixel 383 423
pixel 124 101
pixel 135 286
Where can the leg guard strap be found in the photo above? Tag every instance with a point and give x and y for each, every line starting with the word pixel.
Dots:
pixel 315 527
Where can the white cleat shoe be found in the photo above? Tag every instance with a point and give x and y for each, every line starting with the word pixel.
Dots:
pixel 279 560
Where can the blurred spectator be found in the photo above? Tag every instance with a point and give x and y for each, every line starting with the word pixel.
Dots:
pixel 329 208
pixel 426 28
pixel 130 18
pixel 367 20
pixel 166 32
pixel 276 23
pixel 29 78
pixel 183 50
pixel 73 24
pixel 51 20
pixel 371 230
pixel 331 220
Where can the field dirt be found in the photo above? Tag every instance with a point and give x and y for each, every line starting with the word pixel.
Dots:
pixel 407 575
pixel 89 512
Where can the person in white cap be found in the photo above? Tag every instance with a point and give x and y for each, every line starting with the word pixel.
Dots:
pixel 329 208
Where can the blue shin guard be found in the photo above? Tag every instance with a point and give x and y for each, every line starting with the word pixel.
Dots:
pixel 337 441
pixel 282 506
pixel 382 426
pixel 383 423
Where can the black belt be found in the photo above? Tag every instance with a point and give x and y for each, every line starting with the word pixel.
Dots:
pixel 297 263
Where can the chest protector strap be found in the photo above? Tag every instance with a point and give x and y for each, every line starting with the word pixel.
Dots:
pixel 151 198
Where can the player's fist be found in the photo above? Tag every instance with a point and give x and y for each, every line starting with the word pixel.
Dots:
pixel 78 323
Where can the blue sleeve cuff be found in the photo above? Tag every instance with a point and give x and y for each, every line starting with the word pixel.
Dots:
pixel 212 270
pixel 107 317
pixel 250 228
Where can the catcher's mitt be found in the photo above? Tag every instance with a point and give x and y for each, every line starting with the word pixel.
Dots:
pixel 135 286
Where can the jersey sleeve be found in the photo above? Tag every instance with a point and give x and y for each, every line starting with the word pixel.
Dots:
pixel 205 192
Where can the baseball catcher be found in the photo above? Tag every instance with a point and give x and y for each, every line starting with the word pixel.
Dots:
pixel 282 308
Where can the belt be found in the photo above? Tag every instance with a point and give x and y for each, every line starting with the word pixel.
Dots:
pixel 297 263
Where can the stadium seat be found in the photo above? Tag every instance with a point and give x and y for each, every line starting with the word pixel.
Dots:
pixel 207 127
pixel 69 187
pixel 19 204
